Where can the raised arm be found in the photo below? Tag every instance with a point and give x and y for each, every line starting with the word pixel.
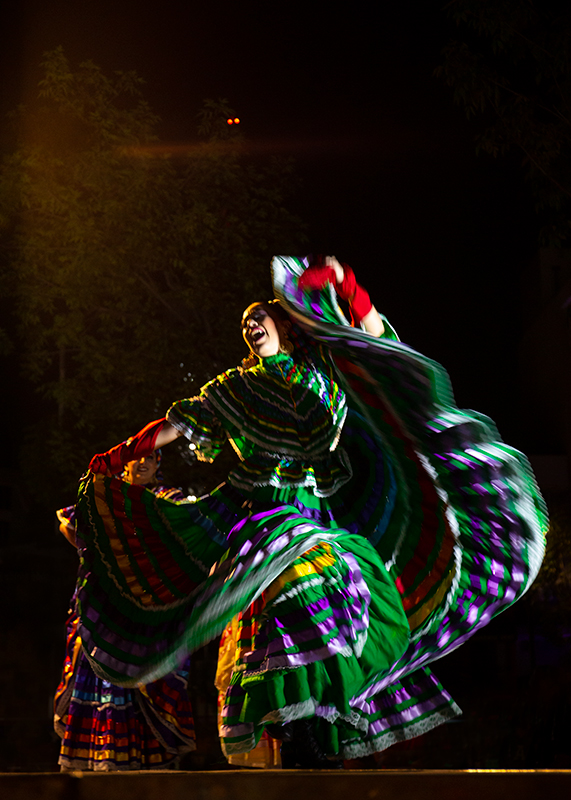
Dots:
pixel 342 277
pixel 362 310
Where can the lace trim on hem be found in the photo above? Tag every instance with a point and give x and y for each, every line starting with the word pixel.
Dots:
pixel 239 748
pixel 311 708
pixel 388 738
pixel 290 713
pixel 307 708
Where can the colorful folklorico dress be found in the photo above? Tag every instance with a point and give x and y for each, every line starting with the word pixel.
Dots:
pixel 104 727
pixel 370 528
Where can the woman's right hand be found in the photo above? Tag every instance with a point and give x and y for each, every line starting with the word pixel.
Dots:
pixel 167 435
pixel 363 313
pixel 331 261
pixel 318 276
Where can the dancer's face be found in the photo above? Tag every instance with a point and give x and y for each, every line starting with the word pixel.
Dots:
pixel 260 332
pixel 142 471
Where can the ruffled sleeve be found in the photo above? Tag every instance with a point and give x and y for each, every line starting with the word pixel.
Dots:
pixel 196 419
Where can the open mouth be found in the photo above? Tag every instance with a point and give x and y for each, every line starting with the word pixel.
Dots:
pixel 257 334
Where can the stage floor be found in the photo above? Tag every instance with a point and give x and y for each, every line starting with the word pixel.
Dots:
pixel 290 785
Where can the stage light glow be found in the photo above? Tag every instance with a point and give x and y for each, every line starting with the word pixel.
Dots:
pixel 230 121
pixel 236 121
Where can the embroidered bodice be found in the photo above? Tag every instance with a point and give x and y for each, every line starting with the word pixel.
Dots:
pixel 283 418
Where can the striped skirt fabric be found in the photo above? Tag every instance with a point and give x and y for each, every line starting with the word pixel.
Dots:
pixel 106 728
pixel 345 600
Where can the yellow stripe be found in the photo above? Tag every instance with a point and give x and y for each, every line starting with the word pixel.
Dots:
pixel 122 559
pixel 314 567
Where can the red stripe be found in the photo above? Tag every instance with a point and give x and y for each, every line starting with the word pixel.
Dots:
pixel 134 550
pixel 428 540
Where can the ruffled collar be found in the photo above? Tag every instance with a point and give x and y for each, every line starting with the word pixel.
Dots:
pixel 280 361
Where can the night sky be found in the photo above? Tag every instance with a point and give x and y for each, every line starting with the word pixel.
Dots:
pixel 391 181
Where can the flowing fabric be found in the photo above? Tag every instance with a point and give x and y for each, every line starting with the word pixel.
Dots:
pixel 370 528
pixel 105 727
pixel 266 753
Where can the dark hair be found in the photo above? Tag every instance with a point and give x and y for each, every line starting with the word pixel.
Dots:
pixel 279 315
pixel 272 307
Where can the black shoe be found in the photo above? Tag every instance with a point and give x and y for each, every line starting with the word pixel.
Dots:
pixel 303 749
pixel 282 732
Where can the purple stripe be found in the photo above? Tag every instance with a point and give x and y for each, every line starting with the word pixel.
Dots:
pixel 408 715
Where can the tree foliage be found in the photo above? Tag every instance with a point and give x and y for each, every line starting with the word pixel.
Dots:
pixel 129 263
pixel 513 67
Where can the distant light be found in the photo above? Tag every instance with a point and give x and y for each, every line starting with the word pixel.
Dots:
pixel 192 446
pixel 191 498
pixel 230 121
pixel 235 121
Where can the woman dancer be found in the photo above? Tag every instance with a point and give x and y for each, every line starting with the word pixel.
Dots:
pixel 104 727
pixel 370 528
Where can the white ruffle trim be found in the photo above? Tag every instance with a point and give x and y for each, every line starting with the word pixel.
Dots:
pixel 390 737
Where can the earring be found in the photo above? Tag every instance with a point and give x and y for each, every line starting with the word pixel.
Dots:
pixel 286 346
pixel 249 361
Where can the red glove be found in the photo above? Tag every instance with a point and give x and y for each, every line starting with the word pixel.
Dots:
pixel 358 299
pixel 316 277
pixel 138 446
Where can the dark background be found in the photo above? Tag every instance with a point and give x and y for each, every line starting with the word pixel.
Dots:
pixel 391 184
